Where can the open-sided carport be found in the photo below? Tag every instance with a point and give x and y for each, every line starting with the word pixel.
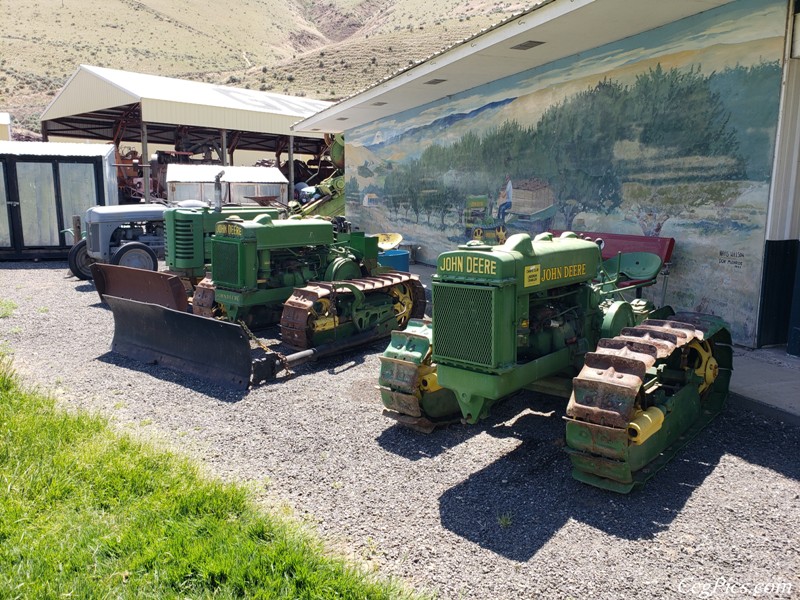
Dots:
pixel 118 106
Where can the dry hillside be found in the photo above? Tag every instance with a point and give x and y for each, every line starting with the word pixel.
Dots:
pixel 326 50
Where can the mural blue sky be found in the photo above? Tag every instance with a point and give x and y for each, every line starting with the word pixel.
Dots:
pixel 750 21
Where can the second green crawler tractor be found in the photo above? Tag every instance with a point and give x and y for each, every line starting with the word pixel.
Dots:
pixel 320 282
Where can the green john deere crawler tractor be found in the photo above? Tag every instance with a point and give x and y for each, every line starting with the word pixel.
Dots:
pixel 549 314
pixel 314 277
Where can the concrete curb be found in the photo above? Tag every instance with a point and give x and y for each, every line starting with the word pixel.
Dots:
pixel 766 410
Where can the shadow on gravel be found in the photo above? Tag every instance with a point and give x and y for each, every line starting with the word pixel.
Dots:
pixel 515 505
pixel 414 445
pixel 340 364
pixel 88 286
pixel 211 390
pixel 334 365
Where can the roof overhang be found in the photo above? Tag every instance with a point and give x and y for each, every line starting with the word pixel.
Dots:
pixel 104 104
pixel 551 30
pixel 124 123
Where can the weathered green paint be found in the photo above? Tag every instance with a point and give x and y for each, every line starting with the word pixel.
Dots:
pixel 402 365
pixel 529 312
pixel 532 265
pixel 476 392
pixel 256 264
pixel 189 231
pixel 605 457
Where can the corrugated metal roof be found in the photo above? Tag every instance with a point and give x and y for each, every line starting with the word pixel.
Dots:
pixel 54 149
pixel 179 102
pixel 178 173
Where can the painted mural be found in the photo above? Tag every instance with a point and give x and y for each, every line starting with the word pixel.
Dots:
pixel 669 133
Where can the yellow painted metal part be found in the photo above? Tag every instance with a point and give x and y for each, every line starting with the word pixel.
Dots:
pixel 430 382
pixel 389 241
pixel 645 423
pixel 323 318
pixel 706 366
pixel 404 303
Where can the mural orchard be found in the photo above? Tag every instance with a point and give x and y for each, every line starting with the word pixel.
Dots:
pixel 670 133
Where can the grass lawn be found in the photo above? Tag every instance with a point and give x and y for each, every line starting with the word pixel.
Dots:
pixel 88 513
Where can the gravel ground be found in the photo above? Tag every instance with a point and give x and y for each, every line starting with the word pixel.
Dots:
pixel 486 511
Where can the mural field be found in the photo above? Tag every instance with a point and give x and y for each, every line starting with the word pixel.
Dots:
pixel 669 133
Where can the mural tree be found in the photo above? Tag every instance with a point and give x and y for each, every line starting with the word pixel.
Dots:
pixel 507 150
pixel 687 151
pixel 402 189
pixel 450 198
pixel 678 112
pixel 393 191
pixel 752 96
pixel 652 206
pixel 574 144
pixel 352 191
pixel 430 195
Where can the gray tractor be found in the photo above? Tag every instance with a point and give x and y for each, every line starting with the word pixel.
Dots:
pixel 127 235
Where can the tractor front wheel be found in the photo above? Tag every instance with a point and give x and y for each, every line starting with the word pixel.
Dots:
pixel 137 256
pixel 79 261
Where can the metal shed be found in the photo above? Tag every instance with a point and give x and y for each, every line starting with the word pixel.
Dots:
pixel 121 106
pixel 240 185
pixel 42 185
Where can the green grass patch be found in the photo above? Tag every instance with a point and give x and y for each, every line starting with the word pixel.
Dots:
pixel 7 307
pixel 88 513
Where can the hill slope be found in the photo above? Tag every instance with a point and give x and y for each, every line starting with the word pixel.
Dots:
pixel 326 50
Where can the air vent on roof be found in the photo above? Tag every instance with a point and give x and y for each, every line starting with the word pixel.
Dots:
pixel 527 45
pixel 435 81
pixel 378 103
pixel 342 118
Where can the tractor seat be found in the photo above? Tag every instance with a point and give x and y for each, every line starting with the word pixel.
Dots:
pixel 634 268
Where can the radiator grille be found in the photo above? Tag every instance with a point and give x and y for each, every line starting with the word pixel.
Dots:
pixel 184 240
pixel 224 264
pixel 463 318
pixel 94 237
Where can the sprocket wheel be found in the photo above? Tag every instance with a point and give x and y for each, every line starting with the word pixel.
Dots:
pixel 403 303
pixel 705 365
pixel 321 316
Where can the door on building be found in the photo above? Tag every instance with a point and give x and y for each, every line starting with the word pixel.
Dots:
pixel 5 211
pixel 38 198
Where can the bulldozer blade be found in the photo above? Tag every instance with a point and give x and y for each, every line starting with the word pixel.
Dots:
pixel 208 349
pixel 140 284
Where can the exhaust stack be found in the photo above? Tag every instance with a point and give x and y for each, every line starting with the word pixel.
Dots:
pixel 218 191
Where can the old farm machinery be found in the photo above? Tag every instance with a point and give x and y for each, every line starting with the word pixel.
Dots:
pixel 133 235
pixel 549 314
pixel 317 279
pixel 326 198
